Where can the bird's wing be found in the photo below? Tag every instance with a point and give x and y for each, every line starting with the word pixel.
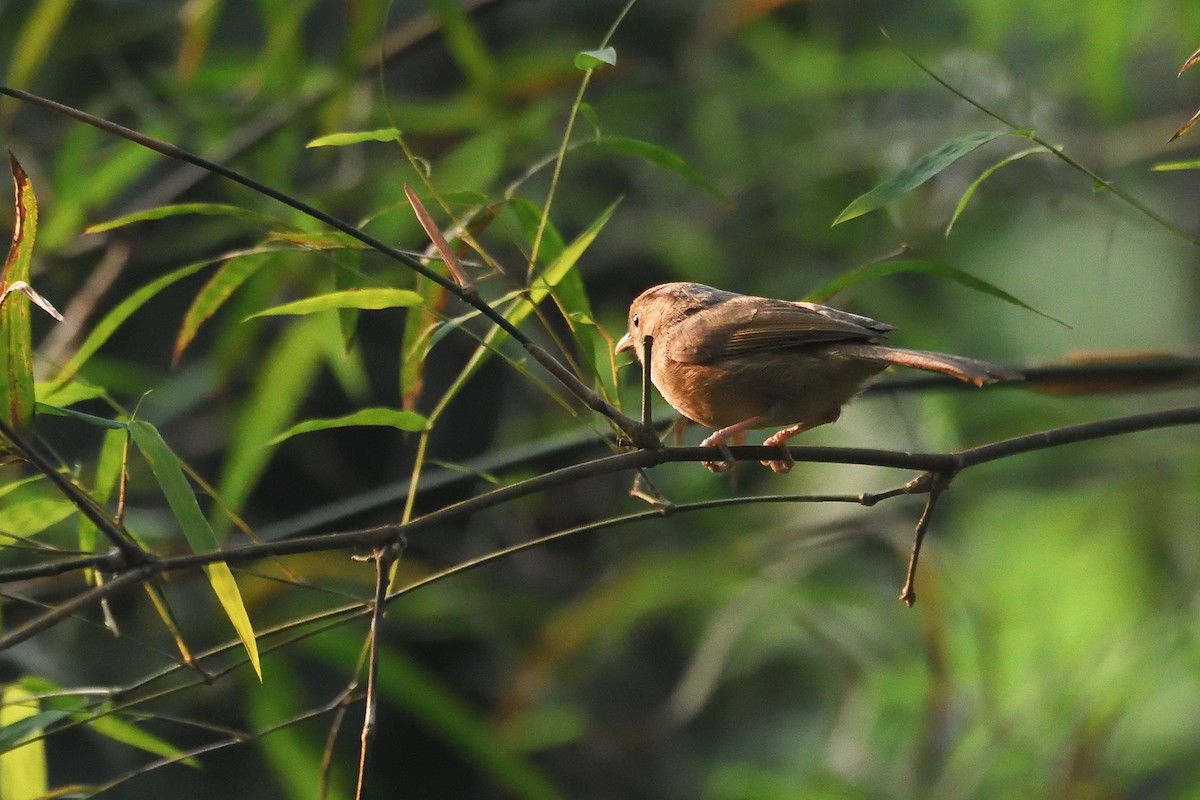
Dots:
pixel 745 325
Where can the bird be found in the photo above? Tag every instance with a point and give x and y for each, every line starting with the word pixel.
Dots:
pixel 734 362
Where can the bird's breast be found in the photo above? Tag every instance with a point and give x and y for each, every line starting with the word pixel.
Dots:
pixel 780 388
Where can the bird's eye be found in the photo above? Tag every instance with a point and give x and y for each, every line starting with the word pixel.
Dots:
pixel 637 320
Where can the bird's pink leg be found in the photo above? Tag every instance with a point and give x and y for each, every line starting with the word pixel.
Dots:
pixel 737 432
pixel 779 439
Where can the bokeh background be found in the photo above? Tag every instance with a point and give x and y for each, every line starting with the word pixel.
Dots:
pixel 751 651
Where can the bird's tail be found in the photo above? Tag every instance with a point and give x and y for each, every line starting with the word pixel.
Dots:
pixel 965 369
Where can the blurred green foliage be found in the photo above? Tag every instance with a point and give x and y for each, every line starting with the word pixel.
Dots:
pixel 752 651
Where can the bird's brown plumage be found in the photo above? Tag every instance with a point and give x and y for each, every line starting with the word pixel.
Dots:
pixel 734 362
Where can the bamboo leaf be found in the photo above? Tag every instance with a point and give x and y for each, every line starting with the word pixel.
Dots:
pixel 181 209
pixel 224 282
pixel 983 176
pixel 23 767
pixel 168 471
pixel 380 417
pixel 659 156
pixel 16 358
pixel 916 174
pixel 355 137
pixel 350 298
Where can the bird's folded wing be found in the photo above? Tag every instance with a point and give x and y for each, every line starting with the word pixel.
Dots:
pixel 746 325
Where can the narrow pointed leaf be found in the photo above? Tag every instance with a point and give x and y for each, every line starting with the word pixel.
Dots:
pixel 379 417
pixel 983 176
pixel 916 174
pixel 355 137
pixel 872 271
pixel 16 358
pixel 182 209
pixel 659 156
pixel 224 282
pixel 169 473
pixel 351 298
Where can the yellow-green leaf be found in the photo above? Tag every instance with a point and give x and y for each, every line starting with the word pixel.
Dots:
pixel 355 137
pixel 379 417
pixel 180 209
pixel 350 298
pixel 169 473
pixel 16 353
pixel 23 768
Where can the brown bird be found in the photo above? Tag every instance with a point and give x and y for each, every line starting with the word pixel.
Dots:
pixel 733 362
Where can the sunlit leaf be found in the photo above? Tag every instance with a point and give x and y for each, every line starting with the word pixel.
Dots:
pixel 870 272
pixel 594 59
pixel 224 282
pixel 351 298
pixel 379 417
pixel 182 209
pixel 125 732
pixel 983 176
pixel 1170 166
pixel 23 768
pixel 916 174
pixel 16 353
pixel 33 515
pixel 169 473
pixel 355 137
pixel 660 157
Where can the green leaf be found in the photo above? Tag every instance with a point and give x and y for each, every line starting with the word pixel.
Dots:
pixel 983 176
pixel 594 59
pixel 125 732
pixel 22 768
pixel 870 272
pixel 43 22
pixel 68 395
pixel 33 515
pixel 380 417
pixel 916 174
pixel 356 137
pixel 219 288
pixel 114 319
pixel 180 209
pixel 168 471
pixel 1171 166
pixel 351 298
pixel 660 157
pixel 16 351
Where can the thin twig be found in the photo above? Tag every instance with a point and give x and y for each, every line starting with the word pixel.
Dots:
pixel 384 558
pixel 935 484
